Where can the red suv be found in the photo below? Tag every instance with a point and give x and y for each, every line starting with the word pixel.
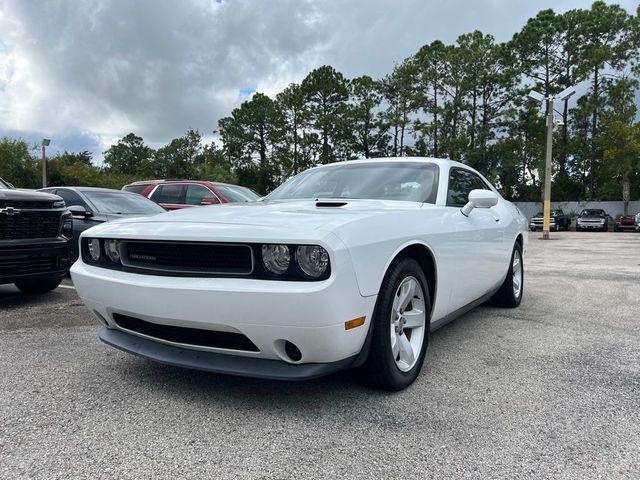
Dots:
pixel 175 194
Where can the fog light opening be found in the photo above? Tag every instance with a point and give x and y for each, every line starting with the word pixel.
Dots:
pixel 292 351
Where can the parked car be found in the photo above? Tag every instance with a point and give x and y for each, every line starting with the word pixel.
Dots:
pixel 93 206
pixel 176 194
pixel 638 222
pixel 35 229
pixel 625 223
pixel 343 265
pixel 592 219
pixel 558 221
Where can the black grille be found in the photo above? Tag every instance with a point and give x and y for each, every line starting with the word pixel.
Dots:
pixel 31 224
pixel 25 263
pixel 47 204
pixel 187 336
pixel 184 257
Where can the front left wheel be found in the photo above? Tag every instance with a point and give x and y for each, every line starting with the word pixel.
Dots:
pixel 400 327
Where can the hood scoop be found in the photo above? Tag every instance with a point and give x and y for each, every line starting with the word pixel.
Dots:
pixel 329 204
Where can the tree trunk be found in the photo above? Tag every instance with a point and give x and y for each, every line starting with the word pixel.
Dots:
pixel 435 119
pixel 594 132
pixel 325 146
pixel 625 192
pixel 295 143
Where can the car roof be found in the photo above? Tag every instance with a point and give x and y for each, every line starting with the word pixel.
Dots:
pixel 438 161
pixel 92 189
pixel 169 180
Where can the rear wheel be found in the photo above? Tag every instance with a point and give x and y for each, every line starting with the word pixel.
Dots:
pixel 510 293
pixel 38 286
pixel 400 327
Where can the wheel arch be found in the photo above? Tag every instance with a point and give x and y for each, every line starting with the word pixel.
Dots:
pixel 423 254
pixel 520 241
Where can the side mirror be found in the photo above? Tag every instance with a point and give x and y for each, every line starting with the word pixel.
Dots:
pixel 209 201
pixel 78 211
pixel 479 199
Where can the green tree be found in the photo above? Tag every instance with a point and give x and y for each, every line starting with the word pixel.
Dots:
pixel 361 123
pixel 326 94
pixel 431 65
pixel 291 102
pixel 251 136
pixel 608 42
pixel 128 155
pixel 398 93
pixel 179 158
pixel 620 142
pixel 17 165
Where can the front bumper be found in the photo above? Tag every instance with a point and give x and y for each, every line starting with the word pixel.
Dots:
pixel 538 225
pixel 24 260
pixel 591 226
pixel 311 315
pixel 218 362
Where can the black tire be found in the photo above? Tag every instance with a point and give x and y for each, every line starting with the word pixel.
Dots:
pixel 505 296
pixel 39 286
pixel 381 369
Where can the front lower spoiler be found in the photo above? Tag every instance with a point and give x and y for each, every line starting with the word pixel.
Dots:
pixel 219 362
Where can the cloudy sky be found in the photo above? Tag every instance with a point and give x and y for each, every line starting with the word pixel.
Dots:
pixel 87 72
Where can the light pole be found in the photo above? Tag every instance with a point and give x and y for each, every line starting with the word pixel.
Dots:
pixel 563 95
pixel 45 143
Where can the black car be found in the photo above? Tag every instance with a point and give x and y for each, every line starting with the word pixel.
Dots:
pixel 35 229
pixel 93 206
pixel 592 219
pixel 558 221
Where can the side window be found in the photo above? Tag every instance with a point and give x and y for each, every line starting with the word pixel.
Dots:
pixel 71 198
pixel 197 193
pixel 168 193
pixel 461 182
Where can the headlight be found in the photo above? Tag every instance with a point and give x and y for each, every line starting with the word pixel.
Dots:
pixel 276 258
pixel 67 228
pixel 312 260
pixel 94 249
pixel 112 249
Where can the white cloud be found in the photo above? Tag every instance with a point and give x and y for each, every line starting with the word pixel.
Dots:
pixel 93 70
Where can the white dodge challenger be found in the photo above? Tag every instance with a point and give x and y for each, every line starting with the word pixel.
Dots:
pixel 344 265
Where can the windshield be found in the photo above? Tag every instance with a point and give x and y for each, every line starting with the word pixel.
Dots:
pixel 134 188
pixel 417 182
pixel 126 203
pixel 592 212
pixel 234 193
pixel 3 186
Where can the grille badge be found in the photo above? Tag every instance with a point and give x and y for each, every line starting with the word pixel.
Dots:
pixel 138 256
pixel 10 211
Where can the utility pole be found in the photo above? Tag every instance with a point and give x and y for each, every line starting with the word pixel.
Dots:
pixel 563 95
pixel 547 171
pixel 45 143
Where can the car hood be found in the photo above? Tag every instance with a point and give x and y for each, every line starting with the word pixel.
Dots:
pixel 17 195
pixel 592 217
pixel 269 219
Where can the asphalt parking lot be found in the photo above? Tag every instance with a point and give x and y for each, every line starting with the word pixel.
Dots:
pixel 549 390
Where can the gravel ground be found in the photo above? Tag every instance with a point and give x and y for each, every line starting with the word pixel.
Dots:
pixel 549 390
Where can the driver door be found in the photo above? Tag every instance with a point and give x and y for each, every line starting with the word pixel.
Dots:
pixel 478 240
